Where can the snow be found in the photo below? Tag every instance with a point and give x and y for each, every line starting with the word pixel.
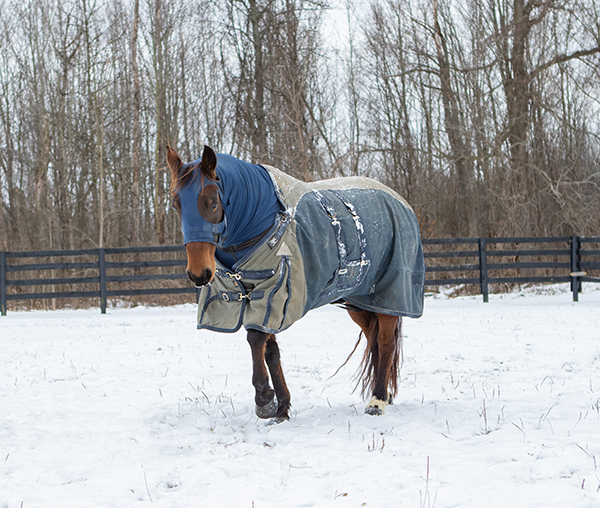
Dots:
pixel 499 405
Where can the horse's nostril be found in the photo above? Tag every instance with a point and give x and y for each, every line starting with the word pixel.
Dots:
pixel 201 280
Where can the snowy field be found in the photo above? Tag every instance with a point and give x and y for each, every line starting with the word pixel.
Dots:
pixel 499 406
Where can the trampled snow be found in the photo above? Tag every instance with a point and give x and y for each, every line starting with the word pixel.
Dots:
pixel 499 406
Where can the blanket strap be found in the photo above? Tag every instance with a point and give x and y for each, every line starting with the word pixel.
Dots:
pixel 360 230
pixel 232 249
pixel 337 227
pixel 361 266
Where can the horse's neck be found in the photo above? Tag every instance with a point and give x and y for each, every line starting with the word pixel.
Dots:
pixel 249 202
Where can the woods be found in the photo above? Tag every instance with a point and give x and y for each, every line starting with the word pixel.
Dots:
pixel 484 114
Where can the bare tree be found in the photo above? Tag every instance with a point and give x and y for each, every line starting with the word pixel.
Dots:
pixel 136 168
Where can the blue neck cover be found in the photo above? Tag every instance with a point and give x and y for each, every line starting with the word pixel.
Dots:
pixel 249 201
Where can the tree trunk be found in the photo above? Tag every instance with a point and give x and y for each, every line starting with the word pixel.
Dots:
pixel 160 92
pixel 461 155
pixel 137 131
pixel 259 149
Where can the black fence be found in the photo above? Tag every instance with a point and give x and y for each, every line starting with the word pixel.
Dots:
pixel 93 273
pixel 132 272
pixel 487 261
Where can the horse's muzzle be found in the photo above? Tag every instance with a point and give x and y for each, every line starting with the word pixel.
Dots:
pixel 201 280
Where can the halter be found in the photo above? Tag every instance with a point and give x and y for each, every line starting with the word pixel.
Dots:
pixel 196 228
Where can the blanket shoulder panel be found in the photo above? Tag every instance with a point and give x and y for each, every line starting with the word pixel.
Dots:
pixel 264 291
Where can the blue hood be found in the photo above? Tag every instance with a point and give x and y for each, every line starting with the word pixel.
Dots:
pixel 196 228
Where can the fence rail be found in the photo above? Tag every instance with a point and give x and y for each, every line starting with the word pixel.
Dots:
pixel 527 260
pixel 109 273
pixel 93 273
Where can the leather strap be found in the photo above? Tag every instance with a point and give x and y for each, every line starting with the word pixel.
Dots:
pixel 232 249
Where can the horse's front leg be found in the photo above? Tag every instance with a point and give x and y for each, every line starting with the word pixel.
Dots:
pixel 266 407
pixel 273 359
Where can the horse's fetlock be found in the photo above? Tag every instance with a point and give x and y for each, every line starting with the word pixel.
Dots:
pixel 264 396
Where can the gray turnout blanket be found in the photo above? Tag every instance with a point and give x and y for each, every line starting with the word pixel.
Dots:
pixel 352 239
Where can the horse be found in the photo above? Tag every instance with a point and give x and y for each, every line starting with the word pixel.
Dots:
pixel 265 248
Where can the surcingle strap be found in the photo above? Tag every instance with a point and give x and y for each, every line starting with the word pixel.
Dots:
pixel 360 230
pixel 355 270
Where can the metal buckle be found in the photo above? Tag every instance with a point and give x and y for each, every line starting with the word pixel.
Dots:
pixel 235 276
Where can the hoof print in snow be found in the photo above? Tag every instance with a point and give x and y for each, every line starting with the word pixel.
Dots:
pixel 277 420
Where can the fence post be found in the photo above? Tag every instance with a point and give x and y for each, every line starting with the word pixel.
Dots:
pixel 3 283
pixel 102 275
pixel 575 254
pixel 483 272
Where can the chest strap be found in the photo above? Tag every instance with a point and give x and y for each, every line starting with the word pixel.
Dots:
pixel 232 249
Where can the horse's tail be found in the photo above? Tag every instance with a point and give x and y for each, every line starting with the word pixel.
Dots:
pixel 368 369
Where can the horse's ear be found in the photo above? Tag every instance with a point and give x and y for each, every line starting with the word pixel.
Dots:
pixel 174 162
pixel 209 163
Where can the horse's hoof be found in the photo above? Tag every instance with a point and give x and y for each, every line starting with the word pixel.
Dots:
pixel 376 407
pixel 373 411
pixel 268 410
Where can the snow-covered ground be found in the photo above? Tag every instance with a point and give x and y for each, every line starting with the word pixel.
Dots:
pixel 499 406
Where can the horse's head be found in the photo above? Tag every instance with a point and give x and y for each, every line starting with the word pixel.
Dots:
pixel 196 198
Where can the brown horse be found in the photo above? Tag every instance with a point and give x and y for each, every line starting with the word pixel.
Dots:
pixel 200 195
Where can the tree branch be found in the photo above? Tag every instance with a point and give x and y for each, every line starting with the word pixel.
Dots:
pixel 561 59
pixel 545 8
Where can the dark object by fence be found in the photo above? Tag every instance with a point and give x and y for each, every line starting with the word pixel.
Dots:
pixel 100 275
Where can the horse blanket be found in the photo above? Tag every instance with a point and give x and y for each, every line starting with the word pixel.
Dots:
pixel 350 239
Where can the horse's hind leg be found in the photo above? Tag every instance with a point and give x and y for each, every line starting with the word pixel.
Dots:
pixel 264 398
pixel 381 358
pixel 388 358
pixel 281 390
